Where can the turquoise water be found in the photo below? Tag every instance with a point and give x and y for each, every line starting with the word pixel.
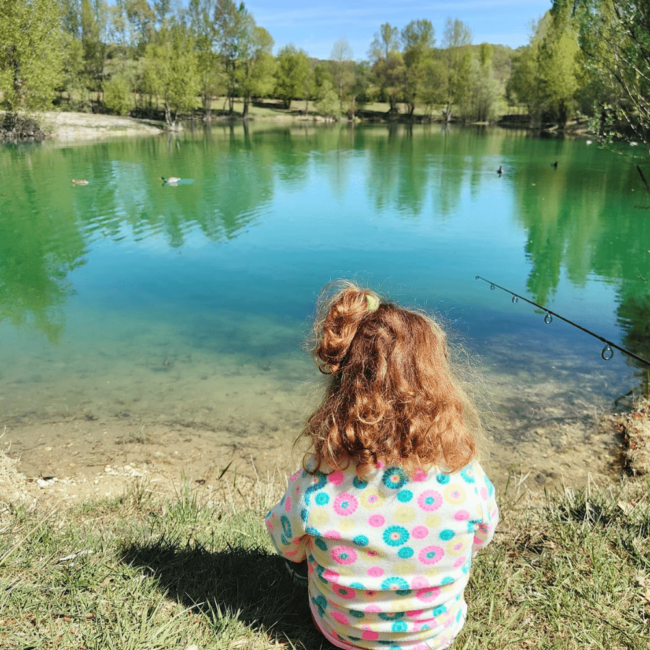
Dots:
pixel 192 301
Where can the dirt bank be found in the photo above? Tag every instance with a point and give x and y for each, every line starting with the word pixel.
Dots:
pixel 74 127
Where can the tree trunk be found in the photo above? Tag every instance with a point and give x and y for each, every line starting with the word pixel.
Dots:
pixel 168 114
pixel 247 101
pixel 207 106
pixel 307 108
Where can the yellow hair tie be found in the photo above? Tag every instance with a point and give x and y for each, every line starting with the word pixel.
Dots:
pixel 373 302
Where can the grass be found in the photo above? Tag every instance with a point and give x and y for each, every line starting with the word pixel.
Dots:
pixel 195 567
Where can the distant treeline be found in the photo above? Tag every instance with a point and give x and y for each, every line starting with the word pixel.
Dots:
pixel 585 57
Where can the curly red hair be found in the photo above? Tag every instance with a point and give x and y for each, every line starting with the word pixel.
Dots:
pixel 392 395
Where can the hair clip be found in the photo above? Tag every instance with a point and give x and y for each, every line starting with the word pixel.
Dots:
pixel 373 302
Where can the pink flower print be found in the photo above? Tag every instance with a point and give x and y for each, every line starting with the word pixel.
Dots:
pixel 376 521
pixel 460 561
pixel 430 500
pixel 419 582
pixel 372 553
pixel 484 494
pixel 332 576
pixel 420 532
pixel 375 571
pixel 415 613
pixel 344 555
pixel 287 504
pixel 420 475
pixel 369 635
pixel 345 592
pixel 294 477
pixel 428 594
pixel 333 534
pixel 461 515
pixel 430 555
pixel 380 464
pixel 270 526
pixel 340 618
pixel 345 504
pixel 336 478
pixel 372 609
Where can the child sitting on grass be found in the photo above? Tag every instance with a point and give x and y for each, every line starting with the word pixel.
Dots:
pixel 392 504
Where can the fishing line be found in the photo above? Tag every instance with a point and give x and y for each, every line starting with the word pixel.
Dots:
pixel 608 350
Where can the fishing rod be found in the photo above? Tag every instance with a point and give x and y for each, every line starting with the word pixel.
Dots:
pixel 608 350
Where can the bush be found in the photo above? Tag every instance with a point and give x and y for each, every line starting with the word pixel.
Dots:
pixel 117 95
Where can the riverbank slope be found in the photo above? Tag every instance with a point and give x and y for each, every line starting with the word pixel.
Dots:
pixel 190 566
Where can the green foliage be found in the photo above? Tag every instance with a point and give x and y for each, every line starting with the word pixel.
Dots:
pixel 388 66
pixel 481 102
pixel 418 39
pixel 256 65
pixel 292 72
pixel 117 95
pixel 328 102
pixel 615 39
pixel 171 70
pixel 458 58
pixel 343 71
pixel 31 52
pixel 545 75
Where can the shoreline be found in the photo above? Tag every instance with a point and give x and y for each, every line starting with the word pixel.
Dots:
pixel 69 127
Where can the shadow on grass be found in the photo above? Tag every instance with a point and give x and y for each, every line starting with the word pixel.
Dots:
pixel 249 584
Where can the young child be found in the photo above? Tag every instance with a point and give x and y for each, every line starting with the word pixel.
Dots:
pixel 391 504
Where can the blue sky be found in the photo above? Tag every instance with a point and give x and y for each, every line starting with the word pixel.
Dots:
pixel 314 26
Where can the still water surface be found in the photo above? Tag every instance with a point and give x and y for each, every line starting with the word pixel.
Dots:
pixel 177 313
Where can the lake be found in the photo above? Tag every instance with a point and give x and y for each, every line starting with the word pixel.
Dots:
pixel 144 323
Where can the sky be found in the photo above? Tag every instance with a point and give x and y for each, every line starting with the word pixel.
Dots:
pixel 315 26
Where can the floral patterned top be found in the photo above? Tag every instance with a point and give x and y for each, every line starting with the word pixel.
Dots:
pixel 389 556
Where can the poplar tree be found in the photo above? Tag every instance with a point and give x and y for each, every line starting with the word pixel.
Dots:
pixel 31 52
pixel 457 40
pixel 387 65
pixel 171 70
pixel 418 40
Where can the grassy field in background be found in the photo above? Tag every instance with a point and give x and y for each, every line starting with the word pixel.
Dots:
pixel 196 567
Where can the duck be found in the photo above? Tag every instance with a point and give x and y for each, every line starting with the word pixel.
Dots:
pixel 554 165
pixel 79 181
pixel 500 170
pixel 171 179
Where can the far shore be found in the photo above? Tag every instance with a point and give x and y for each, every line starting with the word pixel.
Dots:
pixel 69 126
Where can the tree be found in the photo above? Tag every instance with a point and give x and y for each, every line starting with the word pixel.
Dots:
pixel 342 67
pixel 93 26
pixel 230 27
pixel 31 52
pixel 418 40
pixel 292 71
pixel 328 104
pixel 212 78
pixel 257 65
pixel 388 65
pixel 614 36
pixel 545 75
pixel 117 95
pixel 485 89
pixel 171 70
pixel 457 39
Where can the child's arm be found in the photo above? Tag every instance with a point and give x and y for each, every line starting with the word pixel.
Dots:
pixel 485 531
pixel 285 522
